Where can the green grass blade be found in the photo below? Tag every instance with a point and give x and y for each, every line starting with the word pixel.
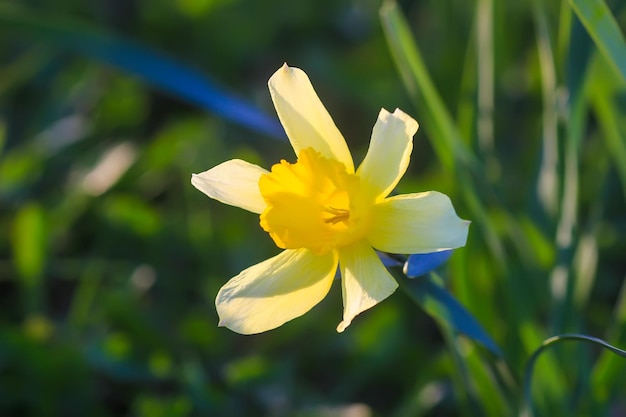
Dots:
pixel 563 39
pixel 608 374
pixel 562 278
pixel 528 374
pixel 548 183
pixel 486 85
pixel 488 390
pixel 550 384
pixel 153 67
pixel 446 139
pixel 444 135
pixel 442 306
pixel 603 94
pixel 30 246
pixel 600 23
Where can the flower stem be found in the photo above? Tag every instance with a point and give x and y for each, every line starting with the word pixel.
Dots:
pixel 527 410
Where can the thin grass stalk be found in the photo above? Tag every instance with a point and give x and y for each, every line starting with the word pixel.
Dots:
pixel 528 409
pixel 486 76
pixel 548 184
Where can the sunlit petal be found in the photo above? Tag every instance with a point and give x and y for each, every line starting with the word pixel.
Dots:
pixel 275 291
pixel 365 281
pixel 305 118
pixel 233 182
pixel 416 223
pixel 389 153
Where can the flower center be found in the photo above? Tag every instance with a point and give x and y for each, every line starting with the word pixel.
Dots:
pixel 312 204
pixel 338 215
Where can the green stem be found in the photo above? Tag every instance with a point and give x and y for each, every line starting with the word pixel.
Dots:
pixel 527 410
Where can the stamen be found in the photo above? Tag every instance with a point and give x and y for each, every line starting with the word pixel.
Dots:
pixel 339 215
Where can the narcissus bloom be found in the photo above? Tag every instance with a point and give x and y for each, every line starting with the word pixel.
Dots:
pixel 325 215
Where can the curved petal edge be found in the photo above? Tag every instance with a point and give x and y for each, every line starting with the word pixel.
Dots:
pixel 233 182
pixel 365 281
pixel 389 152
pixel 279 289
pixel 304 117
pixel 417 223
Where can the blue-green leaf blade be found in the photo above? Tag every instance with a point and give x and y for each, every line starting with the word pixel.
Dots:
pixel 420 264
pixel 134 58
pixel 601 25
pixel 440 304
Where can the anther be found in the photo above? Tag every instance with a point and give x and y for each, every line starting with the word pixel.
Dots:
pixel 339 215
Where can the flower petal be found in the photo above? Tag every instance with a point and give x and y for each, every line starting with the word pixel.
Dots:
pixel 233 182
pixel 305 118
pixel 365 280
pixel 389 153
pixel 417 223
pixel 275 291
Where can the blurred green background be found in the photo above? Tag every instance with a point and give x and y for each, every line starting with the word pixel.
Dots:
pixel 110 260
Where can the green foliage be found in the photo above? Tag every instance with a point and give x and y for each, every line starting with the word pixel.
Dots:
pixel 29 244
pixel 110 260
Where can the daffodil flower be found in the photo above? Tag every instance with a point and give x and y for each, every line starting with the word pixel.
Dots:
pixel 326 215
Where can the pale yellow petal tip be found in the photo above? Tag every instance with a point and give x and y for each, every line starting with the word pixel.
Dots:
pixel 284 72
pixel 196 181
pixel 411 123
pixel 465 224
pixel 343 326
pixel 224 324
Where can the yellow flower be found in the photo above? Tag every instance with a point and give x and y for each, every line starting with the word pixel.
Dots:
pixel 324 214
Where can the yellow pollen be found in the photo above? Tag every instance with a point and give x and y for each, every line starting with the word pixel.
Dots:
pixel 312 204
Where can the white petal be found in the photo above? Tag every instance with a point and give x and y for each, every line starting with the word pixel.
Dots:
pixel 417 223
pixel 389 153
pixel 275 291
pixel 233 182
pixel 305 118
pixel 365 280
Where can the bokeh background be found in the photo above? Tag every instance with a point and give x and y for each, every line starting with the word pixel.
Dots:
pixel 110 260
